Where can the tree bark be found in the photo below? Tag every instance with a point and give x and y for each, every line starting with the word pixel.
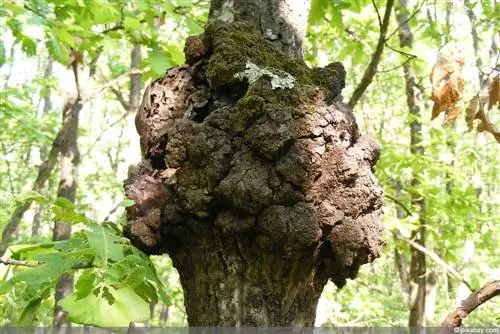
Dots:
pixel 476 299
pixel 413 94
pixel 283 22
pixel 47 106
pixel 70 158
pixel 259 190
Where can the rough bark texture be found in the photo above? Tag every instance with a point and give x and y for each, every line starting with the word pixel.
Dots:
pixel 69 161
pixel 259 195
pixel 413 95
pixel 476 299
pixel 283 22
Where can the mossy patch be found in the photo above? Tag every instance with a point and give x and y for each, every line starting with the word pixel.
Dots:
pixel 232 45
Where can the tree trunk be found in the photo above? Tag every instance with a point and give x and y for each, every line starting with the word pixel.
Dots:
pixel 47 106
pixel 254 178
pixel 413 94
pixel 69 161
pixel 283 22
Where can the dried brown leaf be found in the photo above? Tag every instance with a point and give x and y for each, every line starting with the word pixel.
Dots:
pixel 169 175
pixel 451 115
pixel 485 124
pixel 494 93
pixel 471 111
pixel 447 83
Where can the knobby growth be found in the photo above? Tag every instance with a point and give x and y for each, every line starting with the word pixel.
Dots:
pixel 259 193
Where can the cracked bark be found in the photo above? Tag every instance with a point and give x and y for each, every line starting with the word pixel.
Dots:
pixel 259 195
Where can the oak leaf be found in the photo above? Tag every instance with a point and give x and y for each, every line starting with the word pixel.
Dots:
pixel 475 110
pixel 447 83
pixel 494 93
pixel 473 107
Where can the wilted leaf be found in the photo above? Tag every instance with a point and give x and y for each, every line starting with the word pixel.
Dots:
pixel 447 83
pixel 471 111
pixel 494 93
pixel 451 115
pixel 486 125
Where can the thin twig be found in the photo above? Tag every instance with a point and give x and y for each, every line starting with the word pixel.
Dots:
pixel 99 137
pixel 120 98
pixel 433 256
pixel 407 20
pixel 9 173
pixel 396 67
pixel 398 202
pixel 109 84
pixel 372 67
pixel 11 262
pixel 378 14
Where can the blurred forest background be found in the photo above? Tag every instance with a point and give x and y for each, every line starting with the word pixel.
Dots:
pixel 445 182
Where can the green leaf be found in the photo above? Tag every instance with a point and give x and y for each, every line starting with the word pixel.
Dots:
pixel 57 50
pixel 27 252
pixel 126 203
pixel 28 46
pixel 131 24
pixel 33 196
pixel 2 53
pixel 105 244
pixel 176 54
pixel 85 284
pixel 336 22
pixel 104 13
pixel 64 203
pixel 159 62
pixel 64 36
pixel 94 310
pixel 30 309
pixel 68 216
pixel 318 10
pixel 16 9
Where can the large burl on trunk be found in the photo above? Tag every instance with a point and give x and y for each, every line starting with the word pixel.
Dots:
pixel 258 194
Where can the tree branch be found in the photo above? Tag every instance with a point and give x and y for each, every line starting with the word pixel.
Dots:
pixel 372 67
pixel 120 98
pixel 11 262
pixel 433 256
pixel 44 172
pixel 407 19
pixel 17 263
pixel 398 202
pixel 487 292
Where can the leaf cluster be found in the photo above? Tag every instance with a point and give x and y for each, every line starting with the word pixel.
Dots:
pixel 114 281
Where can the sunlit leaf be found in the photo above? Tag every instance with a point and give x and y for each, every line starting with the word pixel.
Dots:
pixel 127 307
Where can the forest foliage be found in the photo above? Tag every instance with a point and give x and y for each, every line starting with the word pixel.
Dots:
pixel 457 71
